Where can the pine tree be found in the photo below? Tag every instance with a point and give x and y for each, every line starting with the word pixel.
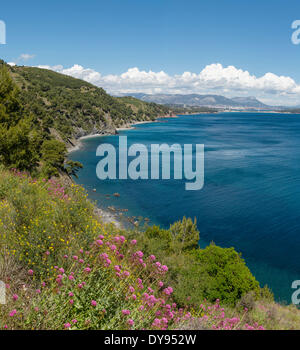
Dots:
pixel 17 137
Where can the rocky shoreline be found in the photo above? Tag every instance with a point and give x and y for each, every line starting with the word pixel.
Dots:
pixel 107 216
pixel 76 144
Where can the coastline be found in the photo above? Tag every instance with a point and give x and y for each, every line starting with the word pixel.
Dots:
pixel 107 216
pixel 76 143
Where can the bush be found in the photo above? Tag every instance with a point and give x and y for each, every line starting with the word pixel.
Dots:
pixel 196 274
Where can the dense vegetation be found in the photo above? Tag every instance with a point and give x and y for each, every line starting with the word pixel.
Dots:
pixel 42 111
pixel 73 107
pixel 64 269
pixel 198 274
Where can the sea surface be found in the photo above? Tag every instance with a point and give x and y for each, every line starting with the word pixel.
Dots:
pixel 251 196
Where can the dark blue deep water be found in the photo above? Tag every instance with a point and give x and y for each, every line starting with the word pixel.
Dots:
pixel 251 197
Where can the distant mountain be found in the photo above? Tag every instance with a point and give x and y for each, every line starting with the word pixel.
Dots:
pixel 251 102
pixel 216 101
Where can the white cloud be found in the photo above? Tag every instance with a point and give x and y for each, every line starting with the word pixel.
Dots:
pixel 214 78
pixel 25 57
pixel 11 64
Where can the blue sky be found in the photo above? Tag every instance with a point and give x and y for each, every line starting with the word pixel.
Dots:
pixel 110 37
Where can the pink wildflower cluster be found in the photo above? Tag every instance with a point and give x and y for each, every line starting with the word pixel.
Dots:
pixel 55 189
pixel 214 317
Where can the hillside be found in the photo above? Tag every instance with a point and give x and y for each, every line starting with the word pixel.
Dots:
pixel 71 108
pixel 64 269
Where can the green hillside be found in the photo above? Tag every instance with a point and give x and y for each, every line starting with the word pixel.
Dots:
pixel 43 112
pixel 73 108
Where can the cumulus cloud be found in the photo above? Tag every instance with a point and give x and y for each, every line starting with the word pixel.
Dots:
pixel 25 57
pixel 214 78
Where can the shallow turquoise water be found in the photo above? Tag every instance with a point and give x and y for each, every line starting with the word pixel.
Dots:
pixel 251 197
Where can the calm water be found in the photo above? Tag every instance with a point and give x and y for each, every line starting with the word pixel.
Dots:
pixel 251 197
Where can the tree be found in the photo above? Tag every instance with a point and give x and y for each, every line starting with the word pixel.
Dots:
pixel 185 233
pixel 53 155
pixel 73 167
pixel 10 107
pixel 17 136
pixel 221 273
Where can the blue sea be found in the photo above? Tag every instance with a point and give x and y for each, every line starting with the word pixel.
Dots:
pixel 251 197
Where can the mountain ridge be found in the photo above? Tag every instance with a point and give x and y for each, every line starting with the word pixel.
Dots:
pixel 207 100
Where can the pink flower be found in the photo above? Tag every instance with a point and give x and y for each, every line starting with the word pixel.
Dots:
pixel 152 257
pixel 71 294
pixel 30 272
pixel 140 254
pixel 130 322
pixel 103 256
pixel 99 242
pixel 38 291
pixel 125 312
pixel 71 301
pixel 12 313
pixel 71 277
pixel 134 242
pixel 87 269
pixel 94 303
pixel 117 268
pixel 160 284
pixel 61 270
pixel 165 268
pixel 74 321
pixel 67 325
pixel 15 297
pixel 156 323
pixel 107 262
